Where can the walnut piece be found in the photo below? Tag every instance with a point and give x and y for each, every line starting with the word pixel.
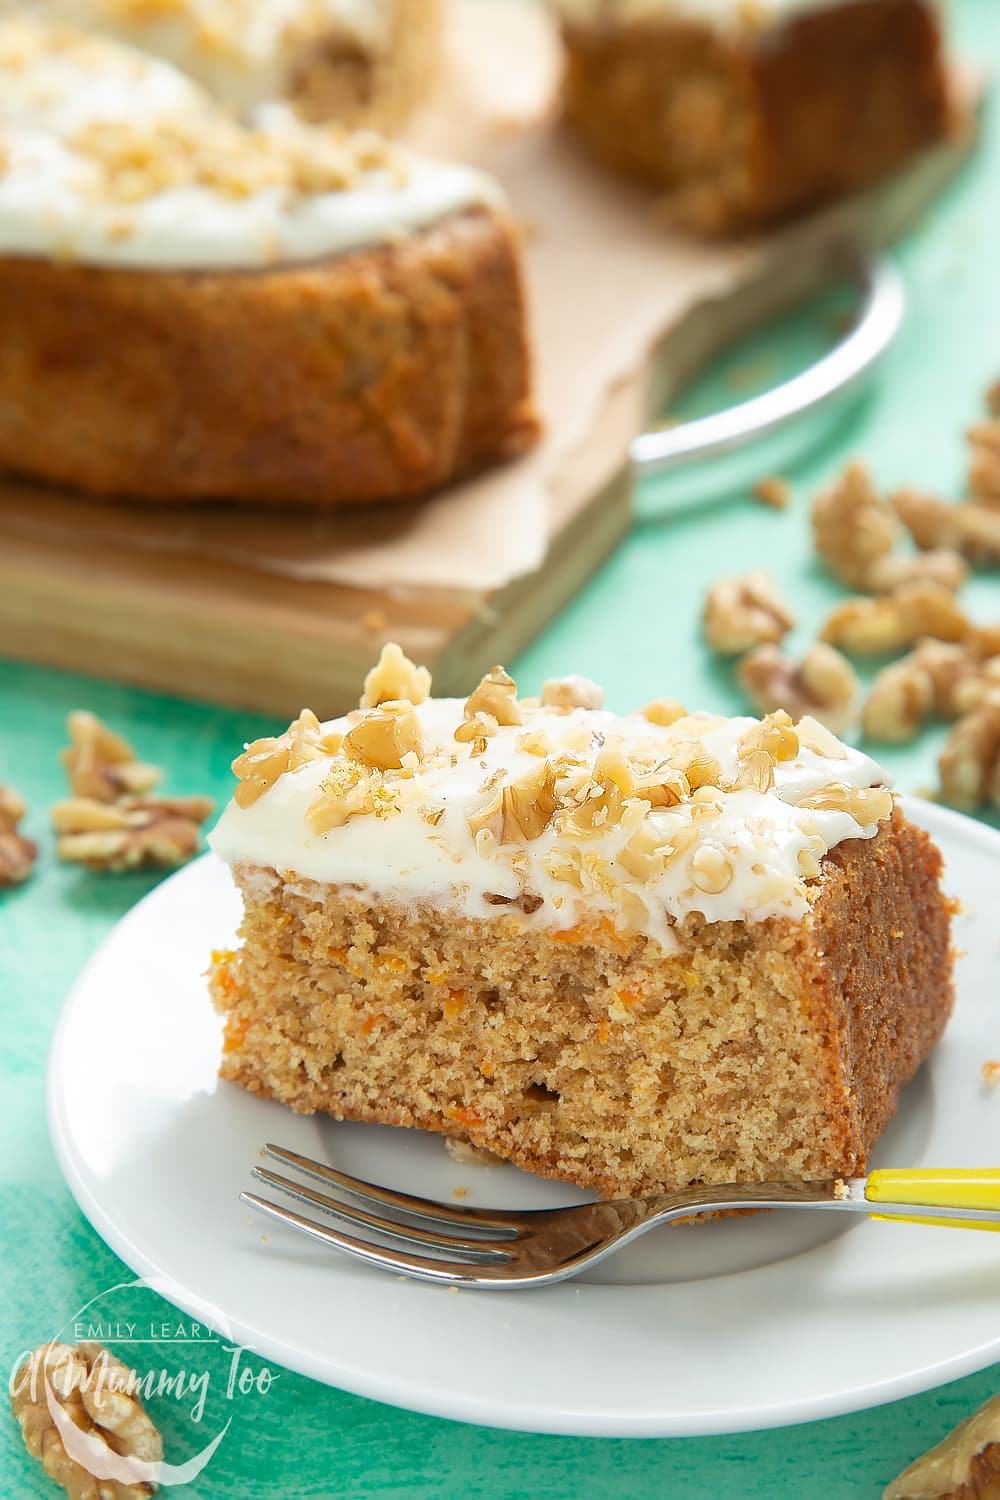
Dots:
pixel 385 735
pixel 773 491
pixel 891 622
pixel 970 529
pixel 102 765
pixel 664 712
pixel 866 804
pixel 496 695
pixel 940 566
pixel 939 677
pixel 822 684
pixel 393 678
pixel 969 763
pixel 262 762
pixel 853 529
pixel 134 833
pixel 567 693
pixel 966 1462
pixel 984 461
pixel 17 854
pixel 744 612
pixel 97 1395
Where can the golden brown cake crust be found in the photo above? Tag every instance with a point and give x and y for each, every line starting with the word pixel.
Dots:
pixel 765 1050
pixel 376 375
pixel 745 132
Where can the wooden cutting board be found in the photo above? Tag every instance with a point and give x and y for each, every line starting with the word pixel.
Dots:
pixel 273 612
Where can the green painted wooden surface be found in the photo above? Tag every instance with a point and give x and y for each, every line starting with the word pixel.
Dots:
pixel 634 629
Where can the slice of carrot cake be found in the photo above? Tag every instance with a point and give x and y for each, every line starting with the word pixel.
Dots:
pixel 193 309
pixel 631 952
pixel 355 61
pixel 749 111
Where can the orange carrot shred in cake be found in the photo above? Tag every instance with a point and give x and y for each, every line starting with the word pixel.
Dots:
pixel 583 941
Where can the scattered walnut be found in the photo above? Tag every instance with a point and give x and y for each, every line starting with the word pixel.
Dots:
pixel 969 762
pixel 385 735
pixel 100 764
pixel 664 712
pixel 822 684
pixel 572 692
pixel 263 762
pixel 132 834
pixel 393 678
pixel 965 1463
pixel 744 612
pixel 17 854
pixel 900 702
pixel 852 528
pixel 773 491
pixel 940 566
pixel 984 462
pixel 97 1395
pixel 891 622
pixel 971 529
pixel 496 695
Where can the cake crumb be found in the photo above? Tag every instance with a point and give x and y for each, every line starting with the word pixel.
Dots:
pixel 461 1191
pixel 991 1073
pixel 773 491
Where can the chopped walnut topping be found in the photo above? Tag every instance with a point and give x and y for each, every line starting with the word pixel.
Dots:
pixel 816 737
pixel 866 804
pixel 744 612
pixel 567 693
pixel 17 854
pixel 384 736
pixel 496 695
pixel 261 763
pixel 852 528
pixel 970 529
pixel 134 833
pixel 822 684
pixel 970 760
pixel 775 735
pixel 100 764
pixel 699 766
pixel 98 1396
pixel 395 678
pixel 711 870
pixel 664 712
pixel 891 622
pixel 756 772
pixel 527 806
pixel 773 491
pixel 477 730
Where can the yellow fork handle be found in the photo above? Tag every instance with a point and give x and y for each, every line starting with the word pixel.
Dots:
pixel 937 1187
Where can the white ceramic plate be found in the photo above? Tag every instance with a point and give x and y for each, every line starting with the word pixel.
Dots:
pixel 716 1328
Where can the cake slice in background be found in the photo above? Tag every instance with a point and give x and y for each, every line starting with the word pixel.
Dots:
pixel 359 62
pixel 193 309
pixel 631 952
pixel 747 112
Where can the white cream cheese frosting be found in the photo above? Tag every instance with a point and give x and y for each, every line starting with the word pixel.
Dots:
pixel 242 51
pixel 111 157
pixel 584 842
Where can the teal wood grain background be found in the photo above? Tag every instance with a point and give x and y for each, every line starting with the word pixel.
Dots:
pixel 635 629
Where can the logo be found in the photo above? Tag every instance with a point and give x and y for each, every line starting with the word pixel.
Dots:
pixel 126 1350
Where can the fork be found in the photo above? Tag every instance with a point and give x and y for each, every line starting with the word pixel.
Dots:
pixel 485 1247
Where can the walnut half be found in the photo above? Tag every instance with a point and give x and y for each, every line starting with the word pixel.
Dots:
pixel 134 833
pixel 17 854
pixel 965 1463
pixel 822 684
pixel 744 612
pixel 97 1396
pixel 892 622
pixel 853 529
pixel 969 763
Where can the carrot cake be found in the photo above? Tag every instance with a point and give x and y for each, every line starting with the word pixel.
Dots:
pixel 355 61
pixel 633 952
pixel 194 309
pixel 749 111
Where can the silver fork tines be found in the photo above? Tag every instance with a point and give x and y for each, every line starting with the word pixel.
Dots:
pixel 498 1248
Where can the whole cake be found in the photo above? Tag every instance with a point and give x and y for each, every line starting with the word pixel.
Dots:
pixel 356 61
pixel 194 309
pixel 749 111
pixel 632 952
